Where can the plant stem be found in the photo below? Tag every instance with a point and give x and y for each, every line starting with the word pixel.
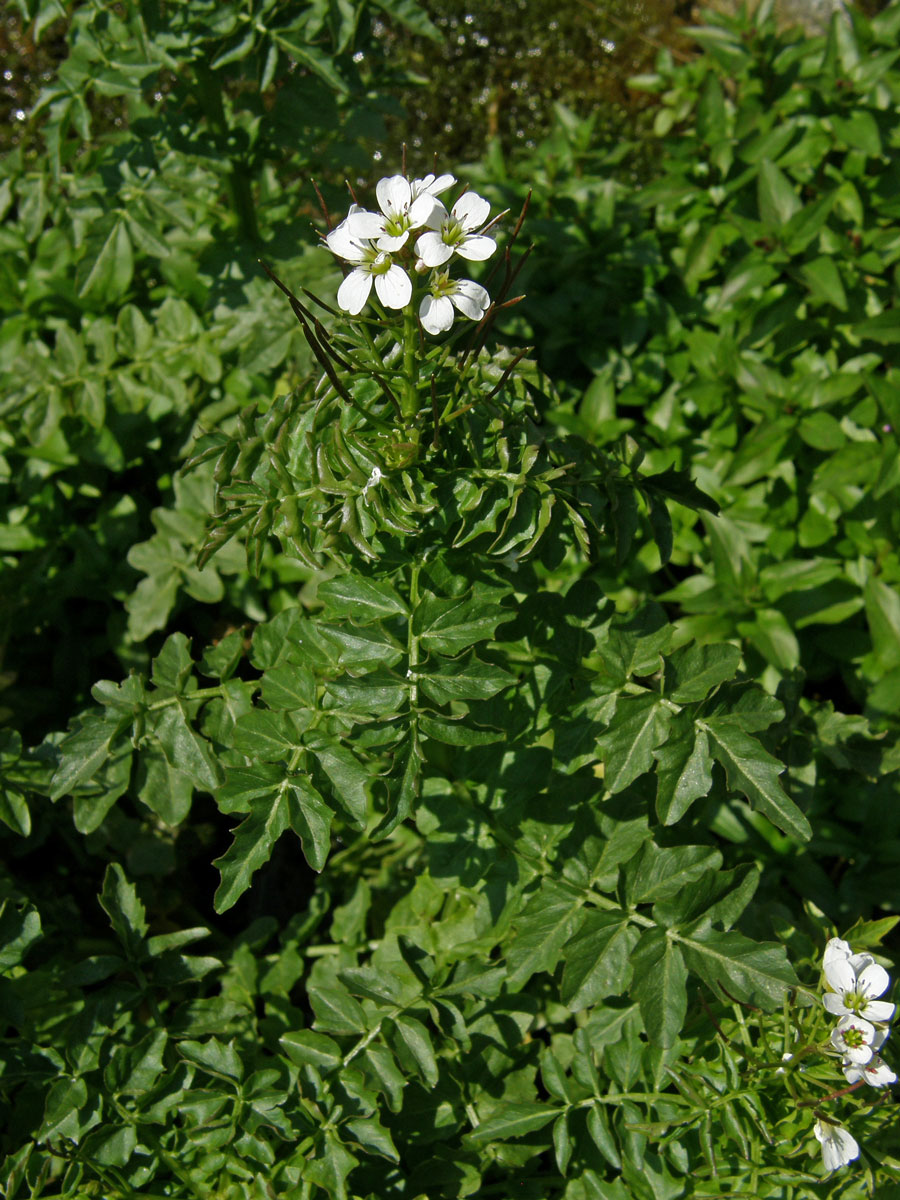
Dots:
pixel 409 402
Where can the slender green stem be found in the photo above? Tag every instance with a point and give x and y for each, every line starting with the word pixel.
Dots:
pixel 409 401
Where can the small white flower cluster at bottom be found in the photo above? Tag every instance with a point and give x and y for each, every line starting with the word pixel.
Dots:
pixel 855 982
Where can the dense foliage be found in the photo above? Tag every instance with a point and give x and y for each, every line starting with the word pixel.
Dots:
pixel 533 690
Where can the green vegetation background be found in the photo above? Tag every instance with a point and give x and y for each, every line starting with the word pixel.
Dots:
pixel 715 275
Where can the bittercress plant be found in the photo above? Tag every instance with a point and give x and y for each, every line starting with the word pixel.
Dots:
pixel 497 838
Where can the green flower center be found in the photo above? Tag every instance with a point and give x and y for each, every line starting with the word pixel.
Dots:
pixel 395 225
pixel 452 232
pixel 382 264
pixel 854 1037
pixel 443 285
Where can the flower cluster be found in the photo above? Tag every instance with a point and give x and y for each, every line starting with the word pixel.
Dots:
pixel 414 230
pixel 855 981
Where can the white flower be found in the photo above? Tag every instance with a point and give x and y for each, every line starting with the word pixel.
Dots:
pixel 838 1146
pixel 455 231
pixel 436 310
pixel 854 1037
pixel 392 284
pixel 876 1071
pixel 855 980
pixel 431 185
pixel 400 212
pixel 836 948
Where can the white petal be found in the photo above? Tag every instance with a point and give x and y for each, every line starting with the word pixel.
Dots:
pixel 840 975
pixel 471 299
pixel 873 980
pixel 386 242
pixel 834 1004
pixel 421 209
pixel 440 184
pixel 471 210
pixel 839 1149
pixel 476 247
pixel 877 1073
pixel 393 194
pixel 436 314
pixel 879 1010
pixel 432 249
pixel 858 961
pixel 836 948
pixel 394 288
pixel 342 243
pixel 364 224
pixel 438 215
pixel 354 291
pixel 852 1072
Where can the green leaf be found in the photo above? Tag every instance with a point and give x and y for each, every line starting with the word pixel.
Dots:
pixel 415 1037
pixel 243 785
pixel 464 679
pixel 335 1009
pixel 776 197
pixel 693 671
pixel 404 788
pixel 254 840
pixel 331 1166
pixel 173 665
pixel 513 1120
pixel 369 1133
pixel 106 268
pixel 457 733
pixel 14 810
pixel 363 601
pixel 659 985
pixel 684 770
pixel 639 726
pixel 602 1135
pixel 289 687
pixel 413 15
pixel 83 752
pixel 562 1142
pixel 186 750
pixel 305 1047
pixel 163 788
pixel 597 960
pixel 313 60
pixel 214 1057
pixel 119 900
pixel 823 279
pixel 19 930
pixel 264 736
pixel 541 930
pixel 455 623
pixel 135 1069
pixel 752 771
pixel 752 972
pixel 660 871
pixel 718 897
pixel 883 615
pixel 349 779
pixel 885 328
pixel 310 819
